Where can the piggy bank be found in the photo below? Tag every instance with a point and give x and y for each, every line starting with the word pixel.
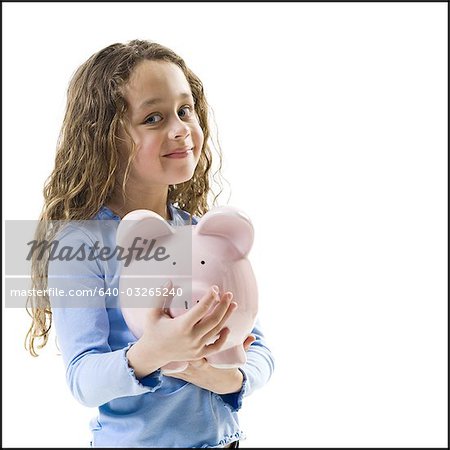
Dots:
pixel 194 258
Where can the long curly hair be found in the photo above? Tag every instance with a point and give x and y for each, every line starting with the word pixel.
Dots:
pixel 87 165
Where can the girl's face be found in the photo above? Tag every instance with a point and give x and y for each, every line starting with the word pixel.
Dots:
pixel 163 125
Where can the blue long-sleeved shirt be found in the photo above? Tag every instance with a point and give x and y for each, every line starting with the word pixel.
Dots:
pixel 156 411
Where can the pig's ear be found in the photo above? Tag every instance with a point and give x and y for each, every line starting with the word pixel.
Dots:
pixel 141 223
pixel 230 223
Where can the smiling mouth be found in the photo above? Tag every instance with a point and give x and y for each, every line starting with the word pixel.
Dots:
pixel 179 154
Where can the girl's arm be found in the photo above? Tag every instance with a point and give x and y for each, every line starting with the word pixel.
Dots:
pixel 95 374
pixel 260 361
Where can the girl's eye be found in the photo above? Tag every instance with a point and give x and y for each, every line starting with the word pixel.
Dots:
pixel 188 111
pixel 151 119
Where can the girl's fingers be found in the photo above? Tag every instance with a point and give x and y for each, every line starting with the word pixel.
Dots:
pixel 161 302
pixel 218 344
pixel 210 322
pixel 249 341
pixel 199 310
pixel 216 330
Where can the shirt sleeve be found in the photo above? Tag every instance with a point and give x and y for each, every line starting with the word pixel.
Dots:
pixel 95 374
pixel 256 371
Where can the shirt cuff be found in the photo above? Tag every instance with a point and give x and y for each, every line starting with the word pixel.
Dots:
pixel 234 400
pixel 149 383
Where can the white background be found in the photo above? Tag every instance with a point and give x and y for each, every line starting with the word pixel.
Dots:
pixel 333 124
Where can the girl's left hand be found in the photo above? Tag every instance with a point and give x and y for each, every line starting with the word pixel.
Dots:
pixel 220 381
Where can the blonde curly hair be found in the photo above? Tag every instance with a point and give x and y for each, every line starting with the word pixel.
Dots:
pixel 86 171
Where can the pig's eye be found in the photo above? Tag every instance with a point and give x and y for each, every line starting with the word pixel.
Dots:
pixel 174 263
pixel 202 262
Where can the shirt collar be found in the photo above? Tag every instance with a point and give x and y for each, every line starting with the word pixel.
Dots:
pixel 177 216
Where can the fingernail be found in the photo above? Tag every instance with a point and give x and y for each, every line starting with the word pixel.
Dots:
pixel 230 295
pixel 166 284
pixel 215 289
pixel 235 305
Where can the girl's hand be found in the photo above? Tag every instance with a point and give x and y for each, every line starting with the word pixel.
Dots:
pixel 183 338
pixel 220 381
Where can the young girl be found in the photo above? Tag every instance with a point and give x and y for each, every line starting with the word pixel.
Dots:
pixel 135 136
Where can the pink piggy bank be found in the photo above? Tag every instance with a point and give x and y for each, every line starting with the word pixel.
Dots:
pixel 193 258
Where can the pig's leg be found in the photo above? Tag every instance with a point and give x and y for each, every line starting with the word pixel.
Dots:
pixel 228 359
pixel 173 367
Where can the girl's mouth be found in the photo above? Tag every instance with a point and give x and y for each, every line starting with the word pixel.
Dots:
pixel 179 155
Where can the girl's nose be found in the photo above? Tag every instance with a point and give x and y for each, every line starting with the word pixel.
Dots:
pixel 178 129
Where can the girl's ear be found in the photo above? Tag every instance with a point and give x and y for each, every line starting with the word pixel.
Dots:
pixel 230 223
pixel 141 223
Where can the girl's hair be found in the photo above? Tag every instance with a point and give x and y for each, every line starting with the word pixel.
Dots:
pixel 87 165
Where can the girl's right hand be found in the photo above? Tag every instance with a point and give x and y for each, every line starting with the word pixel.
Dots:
pixel 183 338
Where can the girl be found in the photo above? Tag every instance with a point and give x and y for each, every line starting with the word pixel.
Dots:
pixel 135 136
